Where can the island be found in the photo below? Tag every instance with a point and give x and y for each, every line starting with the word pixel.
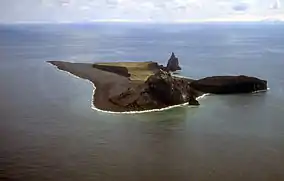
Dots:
pixel 144 86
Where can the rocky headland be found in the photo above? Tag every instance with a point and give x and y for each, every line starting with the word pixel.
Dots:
pixel 140 86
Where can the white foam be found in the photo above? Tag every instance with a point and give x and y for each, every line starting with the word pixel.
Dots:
pixel 139 112
pixel 259 91
pixel 180 76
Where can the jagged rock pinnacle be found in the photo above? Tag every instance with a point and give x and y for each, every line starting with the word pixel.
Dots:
pixel 173 63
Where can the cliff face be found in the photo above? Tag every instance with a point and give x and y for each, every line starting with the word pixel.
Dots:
pixel 168 89
pixel 159 90
pixel 229 84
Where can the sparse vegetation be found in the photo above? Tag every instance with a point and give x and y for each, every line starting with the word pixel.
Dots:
pixel 138 71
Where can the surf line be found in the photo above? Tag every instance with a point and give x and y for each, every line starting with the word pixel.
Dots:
pixel 153 110
pixel 144 111
pixel 139 112
pixel 127 112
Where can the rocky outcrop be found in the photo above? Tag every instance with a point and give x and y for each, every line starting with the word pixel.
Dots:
pixel 173 64
pixel 229 84
pixel 159 90
pixel 169 89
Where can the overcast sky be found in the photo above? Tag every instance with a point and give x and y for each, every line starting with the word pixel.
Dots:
pixel 12 11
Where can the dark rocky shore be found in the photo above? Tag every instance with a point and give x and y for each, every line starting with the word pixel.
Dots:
pixel 160 90
pixel 229 84
pixel 139 86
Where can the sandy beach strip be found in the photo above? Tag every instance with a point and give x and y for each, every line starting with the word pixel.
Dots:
pixel 107 84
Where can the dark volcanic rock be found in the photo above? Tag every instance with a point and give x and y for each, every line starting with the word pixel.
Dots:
pixel 168 89
pixel 173 64
pixel 193 101
pixel 229 84
pixel 136 98
pixel 160 90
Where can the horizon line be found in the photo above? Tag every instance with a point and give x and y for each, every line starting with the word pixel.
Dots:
pixel 258 20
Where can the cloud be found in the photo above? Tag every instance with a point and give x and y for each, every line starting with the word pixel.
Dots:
pixel 240 7
pixel 276 5
pixel 158 10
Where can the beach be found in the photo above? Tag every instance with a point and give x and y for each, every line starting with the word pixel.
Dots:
pixel 105 83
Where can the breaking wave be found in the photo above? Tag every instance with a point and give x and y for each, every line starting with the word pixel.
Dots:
pixel 259 91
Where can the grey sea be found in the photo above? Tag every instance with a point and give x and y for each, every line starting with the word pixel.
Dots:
pixel 49 131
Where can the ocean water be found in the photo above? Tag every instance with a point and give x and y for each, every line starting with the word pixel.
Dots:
pixel 49 131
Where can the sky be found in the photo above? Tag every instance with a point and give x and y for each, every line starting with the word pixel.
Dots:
pixel 60 11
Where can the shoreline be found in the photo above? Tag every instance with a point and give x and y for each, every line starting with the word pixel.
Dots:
pixel 103 81
pixel 106 84
pixel 93 107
